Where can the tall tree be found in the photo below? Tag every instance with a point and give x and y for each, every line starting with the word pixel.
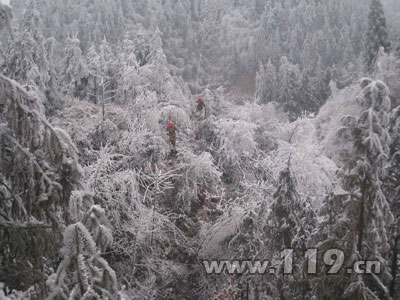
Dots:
pixel 363 172
pixel 377 35
pixel 127 74
pixel 38 170
pixel 289 85
pixel 284 217
pixel 393 191
pixel 27 58
pixel 102 68
pixel 74 69
pixel 266 84
pixel 286 229
pixel 6 13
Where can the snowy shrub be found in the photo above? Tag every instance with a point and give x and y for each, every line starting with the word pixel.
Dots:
pixel 79 202
pixel 215 237
pixel 84 122
pixel 147 110
pixel 176 91
pixel 117 190
pixel 176 115
pixel 104 133
pixel 247 241
pixel 147 289
pixel 227 292
pixel 16 295
pixel 314 171
pixel 258 114
pixel 199 175
pixel 95 221
pixel 235 140
pixel 329 118
pixel 132 198
pixel 300 131
pixel 265 140
pixel 142 146
pixel 215 101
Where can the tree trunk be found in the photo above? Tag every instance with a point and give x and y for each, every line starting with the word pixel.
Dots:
pixel 361 218
pixel 395 284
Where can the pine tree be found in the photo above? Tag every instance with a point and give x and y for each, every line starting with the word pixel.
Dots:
pixel 377 35
pixel 301 242
pixel 284 218
pixel 335 230
pixel 289 85
pixel 142 49
pixel 27 60
pixel 102 69
pixel 393 192
pixel 83 273
pixel 288 228
pixel 74 69
pixel 38 170
pixel 260 84
pixel 362 174
pixel 307 224
pixel 308 100
pixel 93 62
pixel 30 66
pixel 266 84
pixel 156 70
pixel 6 16
pixel 321 82
pixel 128 72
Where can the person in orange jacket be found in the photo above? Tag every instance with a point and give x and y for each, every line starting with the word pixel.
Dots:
pixel 201 107
pixel 171 129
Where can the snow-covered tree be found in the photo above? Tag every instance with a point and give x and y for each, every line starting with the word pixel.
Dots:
pixel 201 177
pixel 289 80
pixel 74 69
pixel 93 62
pixel 335 230
pixel 377 35
pixel 83 273
pixel 6 16
pixel 38 171
pixel 27 59
pixel 393 192
pixel 102 74
pixel 307 223
pixel 157 67
pixel 363 172
pixel 142 49
pixel 308 97
pixel 284 219
pixel 288 226
pixel 128 75
pixel 266 84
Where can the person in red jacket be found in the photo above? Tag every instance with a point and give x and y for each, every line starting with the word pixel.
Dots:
pixel 201 107
pixel 171 129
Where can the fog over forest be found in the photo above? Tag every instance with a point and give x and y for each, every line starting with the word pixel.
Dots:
pixel 200 149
